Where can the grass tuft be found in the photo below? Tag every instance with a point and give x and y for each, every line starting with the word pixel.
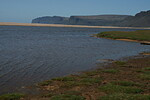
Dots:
pixel 120 63
pixel 69 84
pixel 125 97
pixel 64 79
pixel 124 83
pixel 67 97
pixel 110 88
pixel 72 93
pixel 144 76
pixel 90 81
pixel 14 96
pixel 45 83
pixel 113 71
pixel 147 68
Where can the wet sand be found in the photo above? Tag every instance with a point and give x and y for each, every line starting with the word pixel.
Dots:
pixel 129 40
pixel 61 25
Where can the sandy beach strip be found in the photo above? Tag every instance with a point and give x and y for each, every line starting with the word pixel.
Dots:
pixel 61 25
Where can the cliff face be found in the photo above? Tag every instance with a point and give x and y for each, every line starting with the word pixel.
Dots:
pixel 141 19
pixel 82 20
pixel 50 20
pixel 104 20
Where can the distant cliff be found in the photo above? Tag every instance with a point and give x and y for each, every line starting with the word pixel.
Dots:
pixel 141 19
pixel 51 20
pixel 104 20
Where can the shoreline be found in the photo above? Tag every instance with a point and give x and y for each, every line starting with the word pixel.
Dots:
pixel 128 40
pixel 140 36
pixel 62 25
pixel 91 79
pixel 118 79
pixel 126 73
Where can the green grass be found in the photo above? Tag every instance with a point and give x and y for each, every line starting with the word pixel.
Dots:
pixel 90 81
pixel 125 83
pixel 47 95
pixel 93 73
pixel 145 73
pixel 67 97
pixel 141 35
pixel 144 76
pixel 120 63
pixel 45 83
pixel 14 96
pixel 84 81
pixel 113 71
pixel 125 97
pixel 110 88
pixel 147 68
pixel 69 84
pixel 73 93
pixel 69 78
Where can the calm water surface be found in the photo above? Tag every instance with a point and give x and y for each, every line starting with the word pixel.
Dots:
pixel 32 54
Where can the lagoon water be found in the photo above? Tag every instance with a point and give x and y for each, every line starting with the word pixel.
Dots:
pixel 32 54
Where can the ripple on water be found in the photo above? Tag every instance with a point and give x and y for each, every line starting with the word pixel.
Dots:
pixel 32 54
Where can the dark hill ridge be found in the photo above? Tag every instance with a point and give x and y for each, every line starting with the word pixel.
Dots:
pixel 103 20
pixel 141 19
pixel 51 20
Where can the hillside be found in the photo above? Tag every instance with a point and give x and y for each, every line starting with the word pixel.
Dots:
pixel 51 20
pixel 97 20
pixel 141 19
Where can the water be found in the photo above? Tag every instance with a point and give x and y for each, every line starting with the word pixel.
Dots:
pixel 32 54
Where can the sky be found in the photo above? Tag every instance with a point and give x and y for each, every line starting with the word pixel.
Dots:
pixel 23 11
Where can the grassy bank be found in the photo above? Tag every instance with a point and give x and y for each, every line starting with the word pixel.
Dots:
pixel 120 80
pixel 140 35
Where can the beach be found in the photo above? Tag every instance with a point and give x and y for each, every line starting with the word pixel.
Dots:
pixel 61 25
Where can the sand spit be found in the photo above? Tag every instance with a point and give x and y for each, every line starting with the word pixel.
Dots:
pixel 61 25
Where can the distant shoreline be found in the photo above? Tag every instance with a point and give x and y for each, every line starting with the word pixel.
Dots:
pixel 61 25
pixel 141 36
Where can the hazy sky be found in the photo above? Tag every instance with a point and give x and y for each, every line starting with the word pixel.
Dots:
pixel 25 10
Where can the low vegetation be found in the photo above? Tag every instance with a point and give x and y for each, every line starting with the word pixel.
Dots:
pixel 67 97
pixel 140 35
pixel 125 97
pixel 110 89
pixel 14 96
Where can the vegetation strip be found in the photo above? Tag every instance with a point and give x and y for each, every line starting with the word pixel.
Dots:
pixel 120 80
pixel 142 36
